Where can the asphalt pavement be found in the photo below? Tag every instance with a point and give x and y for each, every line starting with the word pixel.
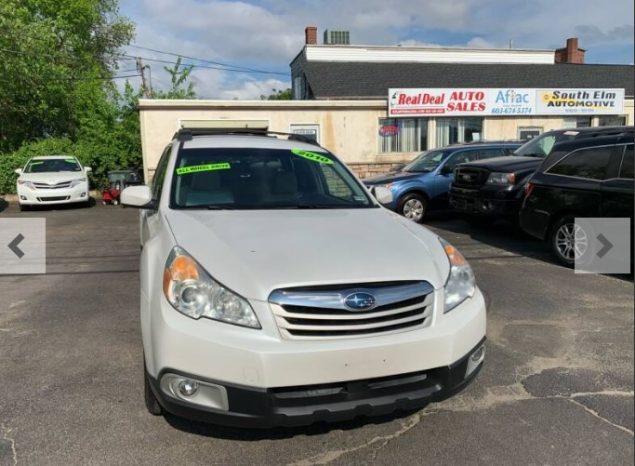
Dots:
pixel 557 386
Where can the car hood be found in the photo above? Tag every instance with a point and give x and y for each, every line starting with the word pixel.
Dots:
pixel 256 252
pixel 507 163
pixel 391 177
pixel 52 177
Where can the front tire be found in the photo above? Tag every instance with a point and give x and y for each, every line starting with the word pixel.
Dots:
pixel 413 206
pixel 567 240
pixel 152 404
pixel 23 208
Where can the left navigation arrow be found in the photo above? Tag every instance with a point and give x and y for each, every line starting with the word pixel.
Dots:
pixel 13 245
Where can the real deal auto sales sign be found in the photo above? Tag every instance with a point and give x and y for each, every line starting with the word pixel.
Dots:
pixel 447 102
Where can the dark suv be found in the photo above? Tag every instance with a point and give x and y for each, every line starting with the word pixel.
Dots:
pixel 494 188
pixel 590 177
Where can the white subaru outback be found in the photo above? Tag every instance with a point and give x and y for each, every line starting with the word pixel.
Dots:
pixel 276 289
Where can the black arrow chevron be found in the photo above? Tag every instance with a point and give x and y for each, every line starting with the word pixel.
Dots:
pixel 13 245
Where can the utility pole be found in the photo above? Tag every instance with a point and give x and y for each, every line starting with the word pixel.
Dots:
pixel 147 90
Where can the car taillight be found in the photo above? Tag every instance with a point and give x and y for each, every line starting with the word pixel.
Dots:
pixel 529 187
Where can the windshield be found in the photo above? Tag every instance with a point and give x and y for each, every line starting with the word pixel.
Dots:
pixel 52 165
pixel 427 161
pixel 263 179
pixel 541 146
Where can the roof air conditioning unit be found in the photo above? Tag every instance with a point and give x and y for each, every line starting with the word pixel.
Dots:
pixel 337 37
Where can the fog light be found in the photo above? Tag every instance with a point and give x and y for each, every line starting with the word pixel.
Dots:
pixel 23 198
pixel 188 387
pixel 82 195
pixel 196 392
pixel 477 356
pixel 475 360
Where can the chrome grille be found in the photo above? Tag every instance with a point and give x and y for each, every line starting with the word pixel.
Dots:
pixel 321 312
pixel 62 185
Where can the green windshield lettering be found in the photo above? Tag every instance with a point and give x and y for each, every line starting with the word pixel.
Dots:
pixel 312 156
pixel 203 168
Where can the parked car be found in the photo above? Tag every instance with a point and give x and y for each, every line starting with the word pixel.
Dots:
pixel 590 177
pixel 52 180
pixel 271 293
pixel 424 183
pixel 488 190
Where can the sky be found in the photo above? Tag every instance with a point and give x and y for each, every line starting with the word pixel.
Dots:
pixel 265 35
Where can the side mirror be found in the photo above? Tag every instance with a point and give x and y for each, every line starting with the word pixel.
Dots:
pixel 383 195
pixel 88 169
pixel 137 196
pixel 18 171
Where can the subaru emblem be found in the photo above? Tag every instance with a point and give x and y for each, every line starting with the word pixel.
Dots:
pixel 359 301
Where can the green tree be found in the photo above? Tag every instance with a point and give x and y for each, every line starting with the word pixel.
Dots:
pixel 283 94
pixel 179 87
pixel 56 59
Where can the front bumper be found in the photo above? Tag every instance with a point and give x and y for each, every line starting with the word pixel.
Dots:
pixel 335 402
pixel 263 363
pixel 483 203
pixel 28 196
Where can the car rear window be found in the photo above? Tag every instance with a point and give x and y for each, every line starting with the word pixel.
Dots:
pixel 591 163
pixel 246 178
pixel 626 169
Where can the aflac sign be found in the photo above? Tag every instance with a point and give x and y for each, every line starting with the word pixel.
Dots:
pixel 512 102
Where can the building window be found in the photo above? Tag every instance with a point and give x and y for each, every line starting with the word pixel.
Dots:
pixel 612 120
pixel 576 122
pixel 298 88
pixel 528 132
pixel 403 135
pixel 457 130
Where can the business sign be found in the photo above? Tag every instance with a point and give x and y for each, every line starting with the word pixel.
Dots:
pixel 579 101
pixel 504 101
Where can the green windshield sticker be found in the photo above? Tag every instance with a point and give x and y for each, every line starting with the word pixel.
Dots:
pixel 313 156
pixel 203 168
pixel 36 163
pixel 70 160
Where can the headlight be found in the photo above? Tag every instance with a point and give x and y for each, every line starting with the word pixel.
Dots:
pixel 27 184
pixel 76 182
pixel 191 291
pixel 460 284
pixel 504 179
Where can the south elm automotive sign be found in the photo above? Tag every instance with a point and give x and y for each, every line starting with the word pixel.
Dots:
pixel 504 102
pixel 579 101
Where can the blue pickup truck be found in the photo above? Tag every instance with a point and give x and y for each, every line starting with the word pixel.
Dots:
pixel 423 184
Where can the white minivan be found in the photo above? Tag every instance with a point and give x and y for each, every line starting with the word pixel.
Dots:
pixel 277 290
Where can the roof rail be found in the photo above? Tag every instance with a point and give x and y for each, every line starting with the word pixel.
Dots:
pixel 186 134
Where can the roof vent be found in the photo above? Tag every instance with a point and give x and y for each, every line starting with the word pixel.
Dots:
pixel 337 37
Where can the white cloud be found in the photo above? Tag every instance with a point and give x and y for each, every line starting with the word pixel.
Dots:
pixel 254 89
pixel 267 34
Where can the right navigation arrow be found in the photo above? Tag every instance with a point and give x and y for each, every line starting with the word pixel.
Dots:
pixel 606 246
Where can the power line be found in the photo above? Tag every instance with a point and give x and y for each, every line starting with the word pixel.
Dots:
pixel 204 60
pixel 193 65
